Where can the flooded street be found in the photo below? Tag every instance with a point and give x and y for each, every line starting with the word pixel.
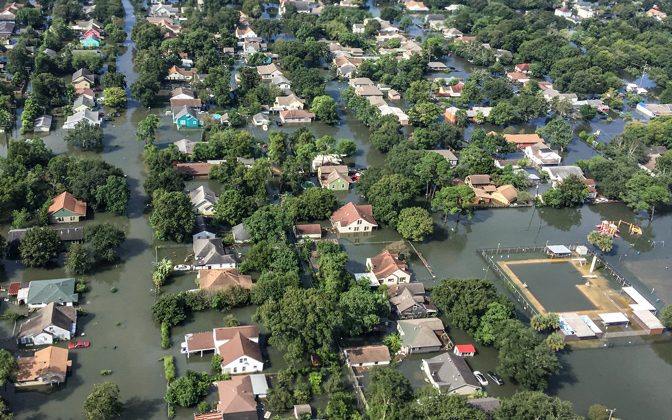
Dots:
pixel 126 340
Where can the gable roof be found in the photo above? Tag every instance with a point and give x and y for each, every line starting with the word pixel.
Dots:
pixel 367 354
pixel 268 69
pixel 236 396
pixel 83 73
pixel 350 213
pixel 185 146
pixel 420 332
pixel 47 361
pixel 211 251
pixel 60 316
pixel 288 100
pixel 522 138
pixel 239 346
pixel 57 290
pixel 67 201
pixel 308 229
pixel 451 371
pixel 220 279
pixel 200 194
pixel 386 263
pixel 296 114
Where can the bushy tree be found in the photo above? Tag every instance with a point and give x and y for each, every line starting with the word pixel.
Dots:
pixel 603 242
pixel 557 133
pixel 644 192
pixel 571 192
pixel 78 261
pixel 115 97
pixel 170 309
pixel 85 136
pixel 324 108
pixel 39 246
pixel 172 218
pixel 534 405
pixel 147 128
pixel 8 367
pixel 103 402
pixel 104 239
pixel 666 316
pixel 415 223
pixel 388 394
pixel 188 389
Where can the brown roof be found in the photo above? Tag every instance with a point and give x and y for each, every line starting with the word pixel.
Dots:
pixel 67 201
pixel 308 229
pixel 296 114
pixel 200 341
pixel 50 360
pixel 367 354
pixel 386 263
pixel 227 333
pixel 479 180
pixel 215 415
pixel 508 191
pixel 192 103
pixel 195 168
pixel 14 288
pixel 213 280
pixel 236 396
pixel 523 138
pixel 237 347
pixel 183 72
pixel 516 75
pixel 350 213
pixel 288 100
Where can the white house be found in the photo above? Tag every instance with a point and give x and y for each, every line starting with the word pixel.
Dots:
pixel 352 218
pixel 450 374
pixel 542 155
pixel 560 173
pixel 203 200
pixel 387 268
pixel 237 346
pixel 90 117
pixel 48 325
pixel 210 254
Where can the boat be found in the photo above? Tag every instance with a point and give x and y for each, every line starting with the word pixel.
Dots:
pixel 480 378
pixel 182 267
pixel 79 344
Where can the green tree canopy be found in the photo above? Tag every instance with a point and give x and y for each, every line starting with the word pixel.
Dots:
pixel 388 394
pixel 39 246
pixel 104 239
pixel 85 136
pixel 172 218
pixel 529 405
pixel 188 389
pixel 103 402
pixel 415 223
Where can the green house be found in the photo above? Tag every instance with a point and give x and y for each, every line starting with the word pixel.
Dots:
pixel 334 177
pixel 186 117
pixel 90 42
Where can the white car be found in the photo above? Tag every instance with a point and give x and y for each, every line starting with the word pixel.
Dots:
pixel 481 378
pixel 182 267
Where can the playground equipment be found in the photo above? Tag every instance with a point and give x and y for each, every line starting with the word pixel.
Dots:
pixel 612 228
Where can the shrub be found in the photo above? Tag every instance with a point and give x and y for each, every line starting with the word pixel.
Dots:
pixel 165 336
pixel 169 368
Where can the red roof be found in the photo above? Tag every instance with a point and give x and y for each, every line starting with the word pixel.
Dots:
pixel 466 348
pixel 14 288
pixel 67 201
pixel 350 213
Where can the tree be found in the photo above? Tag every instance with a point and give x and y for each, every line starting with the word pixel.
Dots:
pixel 453 200
pixel 388 395
pixel 189 389
pixel 535 405
pixel 48 90
pixel 162 270
pixel 603 242
pixel 170 309
pixel 324 108
pixel 145 89
pixel 424 114
pixel 104 239
pixel 346 147
pixel 415 223
pixel 491 321
pixel 85 136
pixel 115 97
pixel 302 323
pixel 503 113
pixel 545 322
pixel 557 133
pixel 113 79
pixel 571 192
pixel 113 195
pixel 386 133
pixel 666 316
pixel 231 207
pixel 555 341
pixel 8 367
pixel 430 404
pixel 31 110
pixel 103 402
pixel 587 112
pixel 147 129
pixel 363 309
pixel 389 195
pixel 78 261
pixel 39 246
pixel 465 301
pixel 598 412
pixel 644 193
pixel 172 218
pixel 393 342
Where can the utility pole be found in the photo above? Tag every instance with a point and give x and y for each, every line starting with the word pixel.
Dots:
pixel 611 412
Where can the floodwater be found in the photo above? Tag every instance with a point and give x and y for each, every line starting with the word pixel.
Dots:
pixel 126 340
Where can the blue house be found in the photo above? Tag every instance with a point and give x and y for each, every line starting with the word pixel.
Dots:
pixel 186 117
pixel 90 42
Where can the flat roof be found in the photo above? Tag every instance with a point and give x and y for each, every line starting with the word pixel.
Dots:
pixel 558 249
pixel 259 384
pixel 649 319
pixel 573 324
pixel 642 304
pixel 613 318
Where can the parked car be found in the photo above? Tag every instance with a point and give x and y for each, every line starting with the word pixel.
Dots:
pixel 495 378
pixel 182 267
pixel 480 378
pixel 79 344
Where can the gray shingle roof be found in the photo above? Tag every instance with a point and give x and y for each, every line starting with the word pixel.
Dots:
pixel 46 291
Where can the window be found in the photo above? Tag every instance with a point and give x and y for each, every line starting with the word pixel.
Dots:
pixel 359 222
pixel 235 369
pixel 356 229
pixel 244 367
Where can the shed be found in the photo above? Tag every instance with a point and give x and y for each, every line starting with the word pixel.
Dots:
pixel 259 385
pixel 558 251
pixel 648 322
pixel 13 289
pixel 614 318
pixel 464 350
pixel 240 234
pixel 302 409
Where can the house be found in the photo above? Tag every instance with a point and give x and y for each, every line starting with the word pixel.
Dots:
pixel 6 28
pixel 353 218
pixel 65 234
pixel 236 399
pixel 334 177
pixel 597 104
pixel 88 117
pixel 9 12
pixel 48 325
pixel 82 103
pixel 523 68
pixel 360 81
pixel 308 231
pixel 437 66
pixel 592 188
pixel 93 32
pixel 178 74
pixel 240 234
pixel 368 90
pixel 435 22
pixel 48 366
pixel 321 160
pixel 416 6
pixel 65 208
pixel 542 155
pixel 563 12
pixel 518 77
pixel 452 91
pixel 409 301
pixel 193 103
pixel 423 335
pixel 450 374
pixel 245 32
pixel 194 169
pixel 393 95
pixel 186 117
pixel 367 356
pixel 260 119
pixel 42 124
pixel 237 346
pixel 452 33
pixel 559 173
pixel 448 155
pixel 476 114
pixel 43 292
pixel 655 110
pixel 653 12
pixel 522 140
pixel 358 28
pixel 402 117
pixel 487 404
pixel 268 72
pixel 87 93
pixel 216 280
pixel 90 41
pixel 210 254
pixel 387 268
pixel 653 155
pixel 504 195
pixel 163 10
pixel 464 350
pixel 182 92
pixel 203 200
pixel 479 181
pixel 281 82
pixel 185 146
pixel 296 116
pixel 83 79
pixel 285 103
